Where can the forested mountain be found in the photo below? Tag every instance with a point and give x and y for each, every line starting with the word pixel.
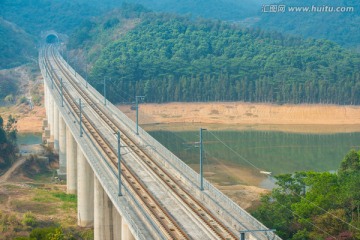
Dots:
pixel 35 16
pixel 170 58
pixel 341 27
pixel 16 46
pixel 215 9
pixel 21 22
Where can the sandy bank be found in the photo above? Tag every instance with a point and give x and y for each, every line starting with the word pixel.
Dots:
pixel 28 120
pixel 292 118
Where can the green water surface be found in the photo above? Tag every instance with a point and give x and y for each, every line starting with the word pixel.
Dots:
pixel 276 152
pixel 29 138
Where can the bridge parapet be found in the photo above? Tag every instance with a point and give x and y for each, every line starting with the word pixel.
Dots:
pixel 220 203
pixel 216 201
pixel 127 206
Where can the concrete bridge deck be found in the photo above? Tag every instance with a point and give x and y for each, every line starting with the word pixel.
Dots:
pixel 92 177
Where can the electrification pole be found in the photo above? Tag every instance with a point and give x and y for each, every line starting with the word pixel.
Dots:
pixel 137 112
pixel 201 160
pixel 119 160
pixel 80 122
pixel 86 76
pixel 104 91
pixel 62 95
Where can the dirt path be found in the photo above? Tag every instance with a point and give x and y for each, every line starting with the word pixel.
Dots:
pixel 5 177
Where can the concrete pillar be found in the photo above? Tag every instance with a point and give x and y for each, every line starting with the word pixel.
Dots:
pixel 62 148
pixel 117 220
pixel 51 115
pixel 85 191
pixel 46 99
pixel 56 128
pixel 125 231
pixel 71 162
pixel 103 228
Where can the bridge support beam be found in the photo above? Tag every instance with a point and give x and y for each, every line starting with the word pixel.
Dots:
pixel 85 191
pixel 62 147
pixel 71 162
pixel 125 231
pixel 56 128
pixel 49 132
pixel 46 97
pixel 117 221
pixel 46 124
pixel 51 115
pixel 103 213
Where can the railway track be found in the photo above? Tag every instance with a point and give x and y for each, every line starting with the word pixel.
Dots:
pixel 204 214
pixel 169 226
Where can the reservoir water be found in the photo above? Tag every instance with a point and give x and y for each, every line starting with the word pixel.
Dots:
pixel 29 138
pixel 241 152
pixel 276 152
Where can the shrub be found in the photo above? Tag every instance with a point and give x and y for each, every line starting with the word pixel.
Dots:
pixel 36 99
pixel 23 99
pixel 29 220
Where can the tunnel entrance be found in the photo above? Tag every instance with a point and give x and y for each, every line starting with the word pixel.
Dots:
pixel 52 38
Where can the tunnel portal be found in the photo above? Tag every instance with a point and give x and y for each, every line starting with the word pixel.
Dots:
pixel 52 38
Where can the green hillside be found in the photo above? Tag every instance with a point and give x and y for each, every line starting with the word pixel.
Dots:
pixel 35 16
pixel 215 9
pixel 23 20
pixel 16 46
pixel 170 58
pixel 341 27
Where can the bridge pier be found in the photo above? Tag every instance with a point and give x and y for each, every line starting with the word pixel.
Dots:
pixel 50 140
pixel 56 128
pixel 71 162
pixel 46 95
pixel 85 191
pixel 62 147
pixel 125 231
pixel 117 222
pixel 103 213
pixel 51 115
pixel 46 133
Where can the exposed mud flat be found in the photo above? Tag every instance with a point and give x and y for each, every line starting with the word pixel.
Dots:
pixel 315 118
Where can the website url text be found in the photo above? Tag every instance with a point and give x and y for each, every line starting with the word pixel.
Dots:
pixel 273 8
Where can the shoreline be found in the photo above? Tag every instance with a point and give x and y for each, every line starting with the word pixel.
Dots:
pixel 287 128
pixel 305 118
pixel 240 184
pixel 317 118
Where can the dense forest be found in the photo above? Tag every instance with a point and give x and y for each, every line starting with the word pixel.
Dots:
pixel 16 46
pixel 311 205
pixel 341 27
pixel 35 16
pixel 8 86
pixel 171 58
pixel 21 22
pixel 232 10
pixel 8 138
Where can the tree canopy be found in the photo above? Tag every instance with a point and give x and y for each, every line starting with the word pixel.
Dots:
pixel 8 137
pixel 313 205
pixel 16 46
pixel 172 58
pixel 340 27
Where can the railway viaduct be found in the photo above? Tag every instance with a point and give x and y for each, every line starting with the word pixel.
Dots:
pixel 128 185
